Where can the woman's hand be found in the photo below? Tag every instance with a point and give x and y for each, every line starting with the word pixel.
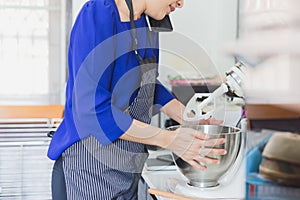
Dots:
pixel 203 121
pixel 195 147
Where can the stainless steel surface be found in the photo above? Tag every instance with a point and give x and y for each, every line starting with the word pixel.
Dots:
pixel 211 176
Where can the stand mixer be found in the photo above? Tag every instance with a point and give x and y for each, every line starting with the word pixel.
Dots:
pixel 214 103
pixel 268 43
pixel 225 103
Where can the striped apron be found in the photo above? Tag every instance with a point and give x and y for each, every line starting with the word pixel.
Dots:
pixel 93 171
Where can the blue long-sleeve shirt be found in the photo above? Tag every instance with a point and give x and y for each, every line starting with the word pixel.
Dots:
pixel 104 76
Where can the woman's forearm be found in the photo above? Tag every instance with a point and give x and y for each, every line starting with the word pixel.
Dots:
pixel 184 142
pixel 174 109
pixel 147 134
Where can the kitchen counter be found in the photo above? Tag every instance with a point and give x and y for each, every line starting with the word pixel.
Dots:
pixel 157 179
pixel 171 180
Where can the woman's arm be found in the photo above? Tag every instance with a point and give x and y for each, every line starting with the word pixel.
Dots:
pixel 184 142
pixel 174 109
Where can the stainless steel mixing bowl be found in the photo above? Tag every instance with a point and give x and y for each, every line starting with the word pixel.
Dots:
pixel 211 176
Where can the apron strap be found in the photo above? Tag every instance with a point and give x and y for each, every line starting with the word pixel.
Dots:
pixel 133 31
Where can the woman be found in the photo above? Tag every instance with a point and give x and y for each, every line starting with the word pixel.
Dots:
pixel 112 93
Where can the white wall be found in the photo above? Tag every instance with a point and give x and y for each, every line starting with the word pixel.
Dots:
pixel 77 4
pixel 210 24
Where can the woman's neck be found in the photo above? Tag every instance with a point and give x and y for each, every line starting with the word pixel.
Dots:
pixel 138 9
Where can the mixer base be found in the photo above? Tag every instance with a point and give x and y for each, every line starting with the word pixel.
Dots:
pixel 203 184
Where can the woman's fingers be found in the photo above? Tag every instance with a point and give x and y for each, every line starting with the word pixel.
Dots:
pixel 212 142
pixel 204 121
pixel 207 160
pixel 206 153
pixel 214 121
pixel 212 152
pixel 200 135
pixel 196 147
pixel 200 162
pixel 197 164
pixel 208 140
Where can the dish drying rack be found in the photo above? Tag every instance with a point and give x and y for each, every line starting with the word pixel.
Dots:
pixel 25 170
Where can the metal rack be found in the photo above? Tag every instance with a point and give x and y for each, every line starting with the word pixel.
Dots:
pixel 25 170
